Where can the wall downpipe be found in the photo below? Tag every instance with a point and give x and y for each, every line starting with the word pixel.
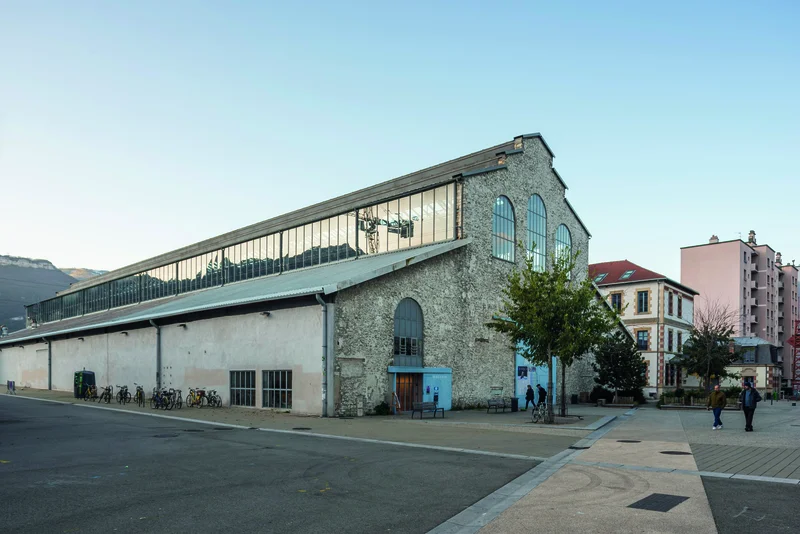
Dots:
pixel 324 354
pixel 49 364
pixel 158 354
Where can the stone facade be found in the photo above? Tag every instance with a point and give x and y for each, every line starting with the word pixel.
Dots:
pixel 457 292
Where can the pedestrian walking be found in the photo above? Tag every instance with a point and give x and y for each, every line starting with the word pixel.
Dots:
pixel 717 402
pixel 542 394
pixel 749 397
pixel 529 397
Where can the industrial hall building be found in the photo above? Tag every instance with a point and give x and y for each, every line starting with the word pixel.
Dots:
pixel 381 295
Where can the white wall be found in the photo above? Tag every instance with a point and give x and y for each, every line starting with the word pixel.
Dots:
pixel 25 366
pixel 200 355
pixel 203 353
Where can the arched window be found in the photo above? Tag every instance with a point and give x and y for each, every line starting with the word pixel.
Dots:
pixel 563 243
pixel 537 232
pixel 503 229
pixel 408 334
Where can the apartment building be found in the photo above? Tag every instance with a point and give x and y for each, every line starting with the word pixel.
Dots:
pixel 658 312
pixel 752 280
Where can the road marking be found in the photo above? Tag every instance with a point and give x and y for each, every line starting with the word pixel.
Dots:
pixel 306 433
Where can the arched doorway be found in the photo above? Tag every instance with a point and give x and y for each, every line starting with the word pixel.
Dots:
pixel 408 352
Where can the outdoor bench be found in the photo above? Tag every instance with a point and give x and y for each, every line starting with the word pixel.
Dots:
pixel 496 403
pixel 426 407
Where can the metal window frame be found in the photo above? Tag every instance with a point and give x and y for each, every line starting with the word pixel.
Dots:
pixel 241 389
pixel 266 390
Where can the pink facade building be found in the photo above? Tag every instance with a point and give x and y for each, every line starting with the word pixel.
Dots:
pixel 752 280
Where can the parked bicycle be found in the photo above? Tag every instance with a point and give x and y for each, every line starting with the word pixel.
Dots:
pixel 123 395
pixel 106 395
pixel 160 399
pixel 540 412
pixel 138 397
pixel 198 397
pixel 90 393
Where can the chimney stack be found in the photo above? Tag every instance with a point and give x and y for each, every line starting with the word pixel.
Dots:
pixel 751 238
pixel 714 239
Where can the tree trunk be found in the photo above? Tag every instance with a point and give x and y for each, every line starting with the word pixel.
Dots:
pixel 550 418
pixel 563 390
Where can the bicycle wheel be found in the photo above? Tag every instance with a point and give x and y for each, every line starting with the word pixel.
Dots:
pixel 217 401
pixel 128 397
pixel 535 415
pixel 120 397
pixel 178 402
pixel 152 403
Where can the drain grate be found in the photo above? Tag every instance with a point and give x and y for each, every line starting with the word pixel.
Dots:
pixel 192 430
pixel 166 436
pixel 628 441
pixel 677 453
pixel 659 502
pixel 301 428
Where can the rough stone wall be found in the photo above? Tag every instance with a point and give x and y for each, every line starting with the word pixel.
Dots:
pixel 458 293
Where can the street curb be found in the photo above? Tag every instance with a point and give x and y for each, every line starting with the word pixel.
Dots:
pixel 304 433
pixel 483 512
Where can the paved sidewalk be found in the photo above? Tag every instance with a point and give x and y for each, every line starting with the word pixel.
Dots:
pixel 581 497
pixel 508 434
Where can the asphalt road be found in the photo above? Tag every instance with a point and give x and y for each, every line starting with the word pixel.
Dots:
pixel 744 506
pixel 80 470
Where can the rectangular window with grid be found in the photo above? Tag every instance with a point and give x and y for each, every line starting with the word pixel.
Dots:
pixel 243 388
pixel 277 389
pixel 642 341
pixel 680 341
pixel 669 340
pixel 643 301
pixel 669 302
pixel 680 307
pixel 616 301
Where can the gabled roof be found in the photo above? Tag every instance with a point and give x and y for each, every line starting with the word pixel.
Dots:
pixel 324 279
pixel 614 271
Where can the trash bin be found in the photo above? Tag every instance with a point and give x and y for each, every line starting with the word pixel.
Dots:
pixel 514 404
pixel 82 379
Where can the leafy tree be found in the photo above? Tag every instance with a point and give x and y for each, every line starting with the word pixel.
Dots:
pixel 709 350
pixel 619 365
pixel 551 313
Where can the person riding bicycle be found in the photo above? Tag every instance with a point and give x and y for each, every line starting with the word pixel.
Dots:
pixel 542 394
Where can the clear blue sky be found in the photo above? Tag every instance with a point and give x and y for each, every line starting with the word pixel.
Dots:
pixel 128 129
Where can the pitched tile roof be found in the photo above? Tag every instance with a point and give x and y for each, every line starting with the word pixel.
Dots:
pixel 615 270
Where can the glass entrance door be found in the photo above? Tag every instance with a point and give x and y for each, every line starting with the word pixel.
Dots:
pixel 409 390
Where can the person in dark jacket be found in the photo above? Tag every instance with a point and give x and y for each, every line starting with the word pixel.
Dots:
pixel 749 398
pixel 542 394
pixel 717 402
pixel 529 396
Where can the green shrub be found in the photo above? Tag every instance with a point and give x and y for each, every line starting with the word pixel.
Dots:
pixel 383 409
pixel 599 392
pixel 733 392
pixel 637 394
pixel 679 392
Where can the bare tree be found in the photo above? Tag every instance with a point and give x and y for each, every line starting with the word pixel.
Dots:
pixel 710 350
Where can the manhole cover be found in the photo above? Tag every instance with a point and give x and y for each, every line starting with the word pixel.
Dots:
pixel 659 502
pixel 193 430
pixel 223 428
pixel 166 436
pixel 301 428
pixel 677 453
pixel 628 441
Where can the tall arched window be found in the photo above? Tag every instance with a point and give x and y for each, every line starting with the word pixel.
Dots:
pixel 408 334
pixel 503 229
pixel 563 243
pixel 537 232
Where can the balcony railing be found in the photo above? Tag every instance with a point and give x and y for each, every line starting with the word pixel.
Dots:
pixel 752 284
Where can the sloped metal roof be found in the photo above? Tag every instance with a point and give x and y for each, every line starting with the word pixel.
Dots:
pixel 325 279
